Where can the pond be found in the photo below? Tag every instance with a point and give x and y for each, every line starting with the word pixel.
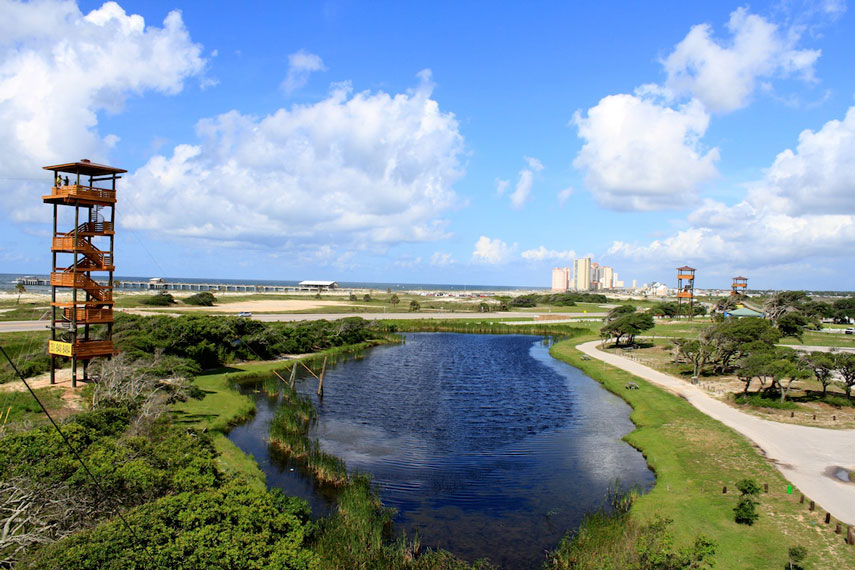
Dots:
pixel 485 444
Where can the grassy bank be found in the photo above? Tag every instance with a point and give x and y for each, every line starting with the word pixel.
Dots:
pixel 483 327
pixel 223 406
pixel 694 457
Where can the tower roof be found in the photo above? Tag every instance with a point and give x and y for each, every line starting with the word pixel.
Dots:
pixel 85 167
pixel 685 268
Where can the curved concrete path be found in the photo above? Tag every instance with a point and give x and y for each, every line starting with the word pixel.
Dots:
pixel 805 455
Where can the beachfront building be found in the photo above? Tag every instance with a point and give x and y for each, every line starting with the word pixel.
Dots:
pixel 318 285
pixel 561 278
pixel 582 274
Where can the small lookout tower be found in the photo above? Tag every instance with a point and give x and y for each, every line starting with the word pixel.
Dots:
pixel 82 327
pixel 740 284
pixel 686 289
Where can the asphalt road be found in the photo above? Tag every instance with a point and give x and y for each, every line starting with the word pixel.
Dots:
pixel 807 456
pixel 23 326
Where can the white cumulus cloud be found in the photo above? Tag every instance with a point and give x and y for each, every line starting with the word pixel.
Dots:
pixel 441 258
pixel 542 254
pixel 641 155
pixel 300 65
pixel 803 207
pixel 365 169
pixel 59 68
pixel 564 195
pixel 724 74
pixel 526 178
pixel 492 251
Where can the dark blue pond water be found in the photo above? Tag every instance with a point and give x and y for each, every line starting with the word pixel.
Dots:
pixel 486 445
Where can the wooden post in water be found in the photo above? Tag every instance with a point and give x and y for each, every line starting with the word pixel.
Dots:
pixel 293 379
pixel 321 379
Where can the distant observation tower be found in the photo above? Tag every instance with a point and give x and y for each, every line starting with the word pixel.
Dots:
pixel 686 289
pixel 739 283
pixel 82 328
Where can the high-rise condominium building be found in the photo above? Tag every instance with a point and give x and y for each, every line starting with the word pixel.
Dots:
pixel 561 278
pixel 607 277
pixel 582 274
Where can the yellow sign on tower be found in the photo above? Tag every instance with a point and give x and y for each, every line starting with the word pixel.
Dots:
pixel 58 348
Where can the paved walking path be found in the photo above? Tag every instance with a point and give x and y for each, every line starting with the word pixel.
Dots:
pixel 805 455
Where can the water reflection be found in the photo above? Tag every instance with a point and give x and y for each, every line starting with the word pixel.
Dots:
pixel 485 444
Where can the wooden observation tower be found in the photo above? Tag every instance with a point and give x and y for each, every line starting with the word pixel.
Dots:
pixel 686 289
pixel 739 283
pixel 82 327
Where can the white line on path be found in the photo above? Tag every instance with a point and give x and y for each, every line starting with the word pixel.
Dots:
pixel 803 454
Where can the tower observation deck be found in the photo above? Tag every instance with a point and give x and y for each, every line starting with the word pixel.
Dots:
pixel 82 327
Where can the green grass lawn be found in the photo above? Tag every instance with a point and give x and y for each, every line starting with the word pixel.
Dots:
pixel 816 338
pixel 20 406
pixel 221 408
pixel 28 350
pixel 25 312
pixel 695 456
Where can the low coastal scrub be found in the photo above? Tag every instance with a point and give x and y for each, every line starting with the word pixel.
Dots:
pixel 558 299
pixel 158 300
pixel 482 327
pixel 203 299
pixel 761 401
pixel 212 341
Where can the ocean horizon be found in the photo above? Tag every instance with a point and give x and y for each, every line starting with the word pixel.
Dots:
pixel 7 283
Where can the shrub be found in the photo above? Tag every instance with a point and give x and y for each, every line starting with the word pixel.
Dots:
pixel 745 510
pixel 159 300
pixel 759 401
pixel 203 299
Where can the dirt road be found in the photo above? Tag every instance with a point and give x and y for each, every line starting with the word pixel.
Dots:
pixel 807 456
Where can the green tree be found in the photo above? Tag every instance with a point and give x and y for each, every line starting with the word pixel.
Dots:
pixel 627 326
pixel 415 306
pixel 786 370
pixel 844 363
pixel 731 336
pixel 619 311
pixel 784 302
pixel 822 365
pixel 844 310
pixel 746 508
pixel 366 298
pixel 792 324
pixel 755 363
pixel 19 287
pixel 394 300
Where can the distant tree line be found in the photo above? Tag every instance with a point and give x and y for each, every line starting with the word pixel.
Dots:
pixel 567 299
pixel 197 342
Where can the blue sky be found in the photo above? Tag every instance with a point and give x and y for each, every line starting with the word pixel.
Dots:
pixel 443 142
